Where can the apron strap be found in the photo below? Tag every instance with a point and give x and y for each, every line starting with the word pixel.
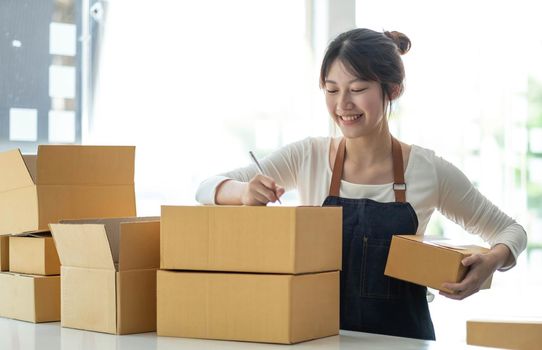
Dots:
pixel 337 174
pixel 399 185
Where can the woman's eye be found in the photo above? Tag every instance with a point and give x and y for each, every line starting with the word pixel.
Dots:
pixel 359 90
pixel 330 91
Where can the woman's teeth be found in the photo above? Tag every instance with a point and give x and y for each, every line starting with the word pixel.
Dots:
pixel 350 117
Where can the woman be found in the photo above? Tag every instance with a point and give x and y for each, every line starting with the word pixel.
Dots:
pixel 385 187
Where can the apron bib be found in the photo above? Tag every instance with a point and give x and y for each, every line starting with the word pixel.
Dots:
pixel 370 301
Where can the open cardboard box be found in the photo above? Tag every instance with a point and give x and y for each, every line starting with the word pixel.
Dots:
pixel 109 273
pixel 65 182
pixel 30 298
pixel 251 239
pixel 507 334
pixel 272 308
pixel 429 260
pixel 33 253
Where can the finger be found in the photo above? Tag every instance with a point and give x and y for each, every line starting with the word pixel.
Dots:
pixel 455 296
pixel 261 199
pixel 471 260
pixel 454 287
pixel 280 191
pixel 268 194
pixel 268 182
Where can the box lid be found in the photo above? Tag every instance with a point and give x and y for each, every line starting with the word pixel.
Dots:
pixel 76 165
pixel 448 244
pixel 96 243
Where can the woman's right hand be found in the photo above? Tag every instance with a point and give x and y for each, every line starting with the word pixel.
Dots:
pixel 261 190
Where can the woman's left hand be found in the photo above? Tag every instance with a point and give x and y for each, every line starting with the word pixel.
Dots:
pixel 481 266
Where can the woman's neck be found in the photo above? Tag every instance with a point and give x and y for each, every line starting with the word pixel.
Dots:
pixel 365 151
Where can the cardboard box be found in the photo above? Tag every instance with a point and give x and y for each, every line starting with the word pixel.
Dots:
pixel 4 253
pixel 520 335
pixel 429 261
pixel 271 308
pixel 109 273
pixel 65 182
pixel 30 298
pixel 34 254
pixel 251 239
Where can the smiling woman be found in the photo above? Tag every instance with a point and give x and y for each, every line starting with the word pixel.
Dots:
pixel 385 187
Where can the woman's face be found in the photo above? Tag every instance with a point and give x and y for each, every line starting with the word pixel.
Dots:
pixel 355 105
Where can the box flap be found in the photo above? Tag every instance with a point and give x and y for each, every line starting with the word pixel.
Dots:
pixel 76 165
pixel 112 231
pixel 37 234
pixel 14 172
pixel 31 162
pixel 139 245
pixel 83 245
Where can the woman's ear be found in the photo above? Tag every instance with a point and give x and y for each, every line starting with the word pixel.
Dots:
pixel 395 91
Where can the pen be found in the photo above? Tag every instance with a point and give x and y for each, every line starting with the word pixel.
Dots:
pixel 260 168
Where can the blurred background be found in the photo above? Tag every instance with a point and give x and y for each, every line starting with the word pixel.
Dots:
pixel 196 84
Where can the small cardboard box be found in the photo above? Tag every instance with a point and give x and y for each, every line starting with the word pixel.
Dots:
pixel 4 253
pixel 520 335
pixel 251 239
pixel 65 182
pixel 429 261
pixel 34 254
pixel 30 298
pixel 109 273
pixel 271 308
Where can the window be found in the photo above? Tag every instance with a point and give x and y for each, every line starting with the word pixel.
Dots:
pixel 40 69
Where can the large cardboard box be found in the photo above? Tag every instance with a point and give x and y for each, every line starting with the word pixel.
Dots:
pixel 429 261
pixel 65 182
pixel 30 298
pixel 271 308
pixel 109 273
pixel 34 254
pixel 4 253
pixel 519 335
pixel 251 239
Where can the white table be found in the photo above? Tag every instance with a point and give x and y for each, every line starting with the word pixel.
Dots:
pixel 18 335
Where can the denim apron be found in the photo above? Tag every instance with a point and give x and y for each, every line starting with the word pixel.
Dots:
pixel 370 301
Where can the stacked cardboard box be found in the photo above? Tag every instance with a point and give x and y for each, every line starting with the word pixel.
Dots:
pixel 60 182
pixel 264 274
pixel 429 260
pixel 109 273
pixel 31 290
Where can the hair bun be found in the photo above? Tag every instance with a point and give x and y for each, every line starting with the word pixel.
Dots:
pixel 401 40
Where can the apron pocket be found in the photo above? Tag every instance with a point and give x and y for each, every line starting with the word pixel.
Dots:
pixel 374 284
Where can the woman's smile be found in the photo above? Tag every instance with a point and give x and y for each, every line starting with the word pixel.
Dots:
pixel 350 119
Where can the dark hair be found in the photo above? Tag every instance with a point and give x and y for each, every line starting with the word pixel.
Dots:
pixel 370 56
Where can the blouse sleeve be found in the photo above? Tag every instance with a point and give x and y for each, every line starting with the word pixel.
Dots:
pixel 282 165
pixel 462 203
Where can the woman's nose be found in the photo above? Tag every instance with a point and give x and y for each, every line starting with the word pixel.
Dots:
pixel 344 102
